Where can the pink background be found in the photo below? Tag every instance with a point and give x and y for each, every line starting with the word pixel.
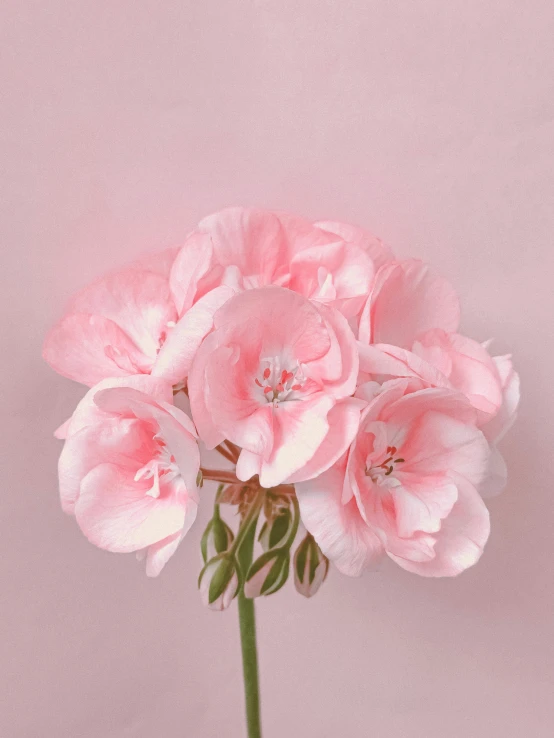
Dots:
pixel 429 122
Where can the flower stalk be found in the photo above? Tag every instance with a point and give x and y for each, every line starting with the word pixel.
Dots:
pixel 244 544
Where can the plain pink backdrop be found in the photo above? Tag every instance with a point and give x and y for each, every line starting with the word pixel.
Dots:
pixel 429 122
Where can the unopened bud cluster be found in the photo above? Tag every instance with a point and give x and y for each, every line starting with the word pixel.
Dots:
pixel 222 579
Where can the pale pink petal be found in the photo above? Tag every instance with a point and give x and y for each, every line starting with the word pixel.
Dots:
pixel 408 299
pixel 278 317
pixel 248 465
pixel 344 421
pixel 240 417
pixel 339 529
pixel 89 348
pixel 205 424
pixel 460 541
pixel 338 274
pixel 87 411
pixel 116 514
pixel 471 369
pixel 440 443
pixel 386 360
pixel 299 429
pixel 338 367
pixel 496 428
pixel 192 263
pixel 421 505
pixel 177 353
pixel 158 554
pixel 126 400
pixel 138 302
pixel 119 442
pixel 252 240
pixel 61 430
pixel 373 246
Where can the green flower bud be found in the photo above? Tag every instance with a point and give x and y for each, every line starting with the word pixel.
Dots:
pixel 310 567
pixel 217 537
pixel 218 582
pixel 274 530
pixel 268 573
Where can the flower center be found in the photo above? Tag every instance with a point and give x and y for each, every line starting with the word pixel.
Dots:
pixel 381 474
pixel 279 383
pixel 161 467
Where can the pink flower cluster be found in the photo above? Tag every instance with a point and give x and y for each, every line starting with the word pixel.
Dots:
pixel 326 362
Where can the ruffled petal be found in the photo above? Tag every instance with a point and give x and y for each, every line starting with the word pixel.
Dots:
pixel 338 528
pixel 460 542
pixel 408 299
pixel 138 302
pixel 178 351
pixel 373 246
pixel 89 348
pixel 191 264
pixel 115 513
pixel 344 422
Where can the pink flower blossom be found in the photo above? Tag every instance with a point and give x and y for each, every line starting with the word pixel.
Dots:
pixel 441 359
pixel 274 377
pixel 129 467
pixel 407 299
pixel 116 326
pixel 248 248
pixel 406 487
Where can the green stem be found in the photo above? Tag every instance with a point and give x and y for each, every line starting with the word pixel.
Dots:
pixel 247 622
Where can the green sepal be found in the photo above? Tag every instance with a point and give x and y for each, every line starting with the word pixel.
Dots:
pixel 221 576
pixel 278 572
pixel 274 531
pixel 222 536
pixel 301 557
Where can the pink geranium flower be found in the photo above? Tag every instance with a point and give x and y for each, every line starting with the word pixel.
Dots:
pixel 274 377
pixel 128 469
pixel 407 486
pixel 442 359
pixel 116 326
pixel 408 329
pixel 245 248
pixel 406 300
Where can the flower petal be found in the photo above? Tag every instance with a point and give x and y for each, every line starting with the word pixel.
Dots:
pixel 115 513
pixel 178 351
pixel 138 302
pixel 191 264
pixel 299 428
pixel 89 348
pixel 460 541
pixel 408 299
pixel 344 421
pixel 373 246
pixel 339 529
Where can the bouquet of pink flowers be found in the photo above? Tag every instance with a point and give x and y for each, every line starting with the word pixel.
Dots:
pixel 329 377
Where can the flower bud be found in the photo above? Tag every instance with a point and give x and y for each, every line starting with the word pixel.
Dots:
pixel 268 573
pixel 310 567
pixel 216 539
pixel 275 529
pixel 218 582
